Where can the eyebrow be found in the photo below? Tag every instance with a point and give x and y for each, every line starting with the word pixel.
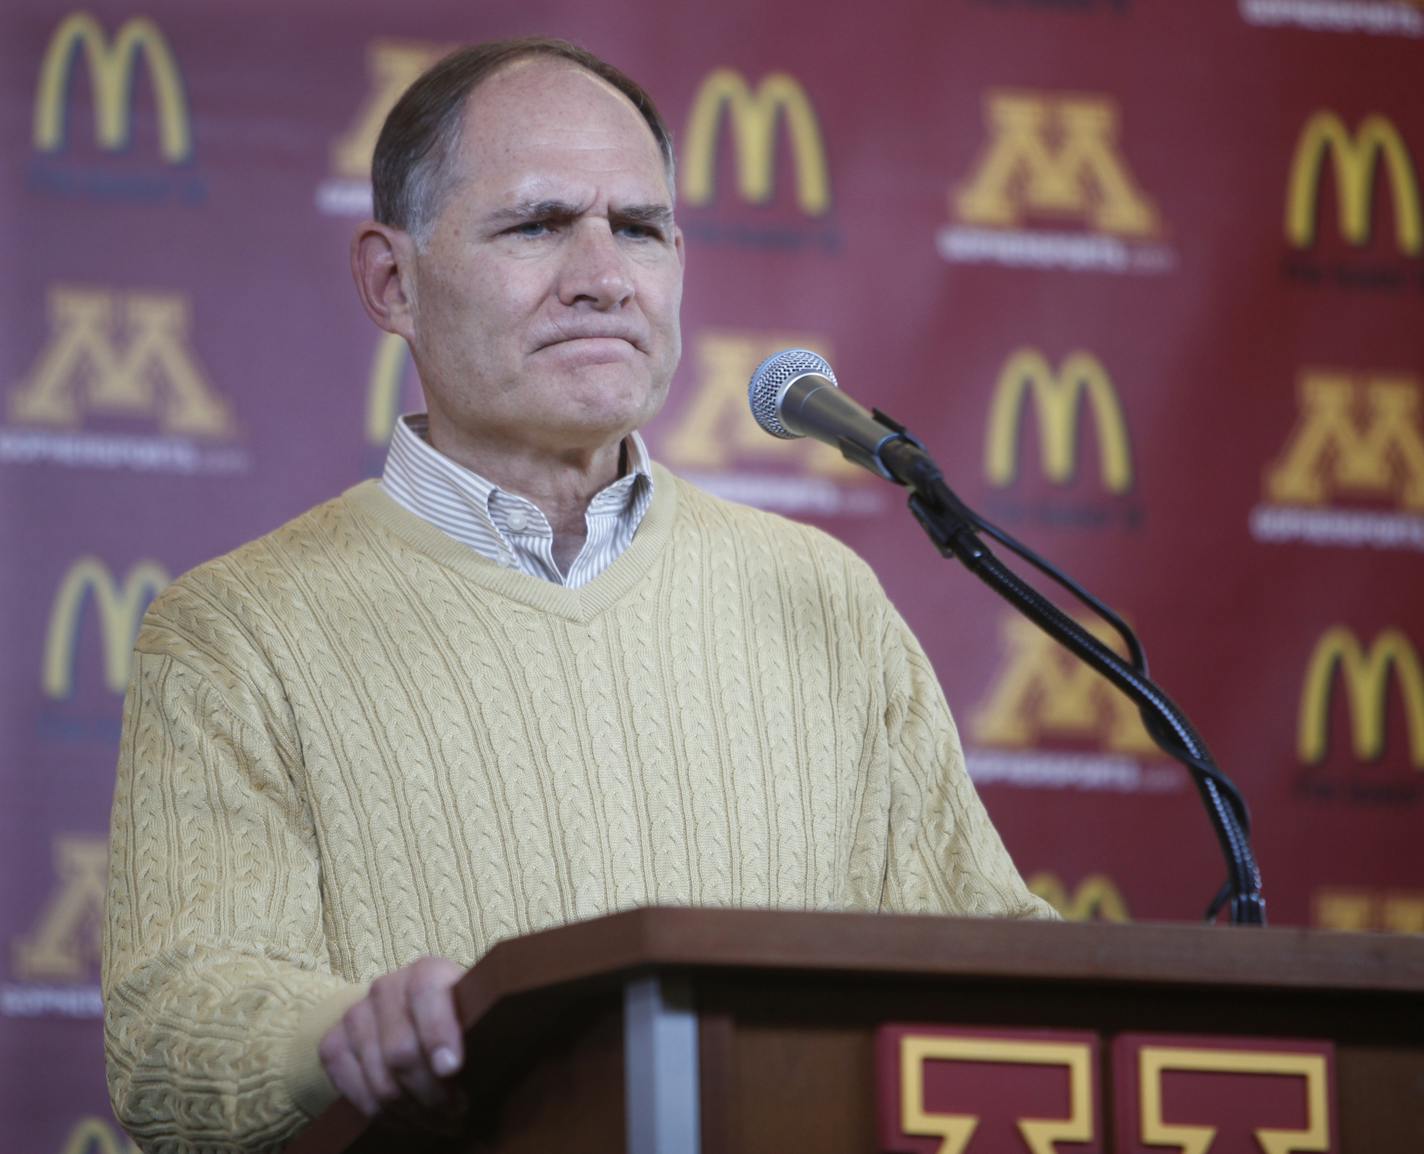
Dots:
pixel 561 210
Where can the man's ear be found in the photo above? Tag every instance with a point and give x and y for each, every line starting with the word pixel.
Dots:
pixel 383 265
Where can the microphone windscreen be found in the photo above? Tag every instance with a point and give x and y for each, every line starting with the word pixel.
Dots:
pixel 769 382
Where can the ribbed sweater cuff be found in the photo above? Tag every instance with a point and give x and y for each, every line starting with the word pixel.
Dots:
pixel 307 1082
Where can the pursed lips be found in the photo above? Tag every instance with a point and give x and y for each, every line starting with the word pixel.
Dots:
pixel 566 336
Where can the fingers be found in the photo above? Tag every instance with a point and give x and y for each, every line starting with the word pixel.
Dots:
pixel 341 1061
pixel 432 1010
pixel 394 1051
pixel 406 1060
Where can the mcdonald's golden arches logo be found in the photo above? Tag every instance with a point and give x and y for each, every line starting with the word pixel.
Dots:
pixel 392 66
pixel 1054 155
pixel 1095 899
pixel 1357 434
pixel 1354 159
pixel 112 64
pixel 64 943
pixel 753 115
pixel 1366 673
pixel 1043 691
pixel 95 1136
pixel 1058 397
pixel 715 431
pixel 120 605
pixel 383 390
pixel 121 354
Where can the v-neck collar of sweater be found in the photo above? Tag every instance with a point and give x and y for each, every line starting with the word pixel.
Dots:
pixel 372 504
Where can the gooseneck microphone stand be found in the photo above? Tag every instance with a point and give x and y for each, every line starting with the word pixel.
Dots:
pixel 953 527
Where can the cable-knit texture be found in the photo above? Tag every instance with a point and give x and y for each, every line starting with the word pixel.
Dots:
pixel 355 742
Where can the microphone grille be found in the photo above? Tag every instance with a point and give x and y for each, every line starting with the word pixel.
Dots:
pixel 769 382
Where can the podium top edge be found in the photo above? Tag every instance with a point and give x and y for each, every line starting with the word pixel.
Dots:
pixel 919 947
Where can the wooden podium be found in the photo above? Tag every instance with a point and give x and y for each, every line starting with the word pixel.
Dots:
pixel 682 1031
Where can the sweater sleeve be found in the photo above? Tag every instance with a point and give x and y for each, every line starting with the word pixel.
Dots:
pixel 945 856
pixel 217 980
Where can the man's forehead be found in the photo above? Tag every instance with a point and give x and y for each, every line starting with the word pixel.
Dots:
pixel 550 92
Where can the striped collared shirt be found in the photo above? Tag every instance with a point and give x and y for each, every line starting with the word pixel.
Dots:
pixel 505 527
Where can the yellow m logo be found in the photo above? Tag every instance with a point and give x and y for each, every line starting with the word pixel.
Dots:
pixel 65 940
pixel 715 429
pixel 1354 160
pixel 1043 690
pixel 111 76
pixel 754 116
pixel 120 608
pixel 1095 898
pixel 1330 450
pixel 1056 156
pixel 1058 397
pixel 122 377
pixel 393 66
pixel 1366 677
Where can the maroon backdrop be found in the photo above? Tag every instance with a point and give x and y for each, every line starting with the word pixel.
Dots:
pixel 1148 279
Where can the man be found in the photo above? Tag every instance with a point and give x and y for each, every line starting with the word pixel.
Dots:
pixel 527 678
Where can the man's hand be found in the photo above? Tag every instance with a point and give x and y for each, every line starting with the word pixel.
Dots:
pixel 395 1050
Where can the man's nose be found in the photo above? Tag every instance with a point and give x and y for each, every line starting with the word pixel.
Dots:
pixel 595 270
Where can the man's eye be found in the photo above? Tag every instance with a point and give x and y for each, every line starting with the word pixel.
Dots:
pixel 531 228
pixel 639 231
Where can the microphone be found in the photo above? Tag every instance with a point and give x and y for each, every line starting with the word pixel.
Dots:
pixel 794 393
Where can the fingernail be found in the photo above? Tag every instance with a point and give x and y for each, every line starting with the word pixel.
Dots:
pixel 445 1062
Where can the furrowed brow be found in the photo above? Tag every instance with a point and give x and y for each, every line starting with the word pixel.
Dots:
pixel 535 210
pixel 658 215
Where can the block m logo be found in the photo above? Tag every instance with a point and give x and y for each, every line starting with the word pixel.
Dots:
pixel 65 940
pixel 393 66
pixel 754 117
pixel 112 65
pixel 1058 398
pixel 1042 690
pixel 120 607
pixel 114 351
pixel 715 429
pixel 1355 159
pixel 1055 156
pixel 1366 674
pixel 1331 450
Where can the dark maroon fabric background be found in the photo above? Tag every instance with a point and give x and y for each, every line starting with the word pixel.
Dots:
pixel 167 441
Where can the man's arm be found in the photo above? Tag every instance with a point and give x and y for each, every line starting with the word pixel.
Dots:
pixel 945 855
pixel 217 985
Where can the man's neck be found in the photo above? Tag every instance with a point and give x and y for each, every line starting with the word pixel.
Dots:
pixel 561 485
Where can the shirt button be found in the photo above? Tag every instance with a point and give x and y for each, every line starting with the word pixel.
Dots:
pixel 518 520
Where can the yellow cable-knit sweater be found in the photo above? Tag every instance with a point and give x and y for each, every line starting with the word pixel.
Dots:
pixel 355 741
